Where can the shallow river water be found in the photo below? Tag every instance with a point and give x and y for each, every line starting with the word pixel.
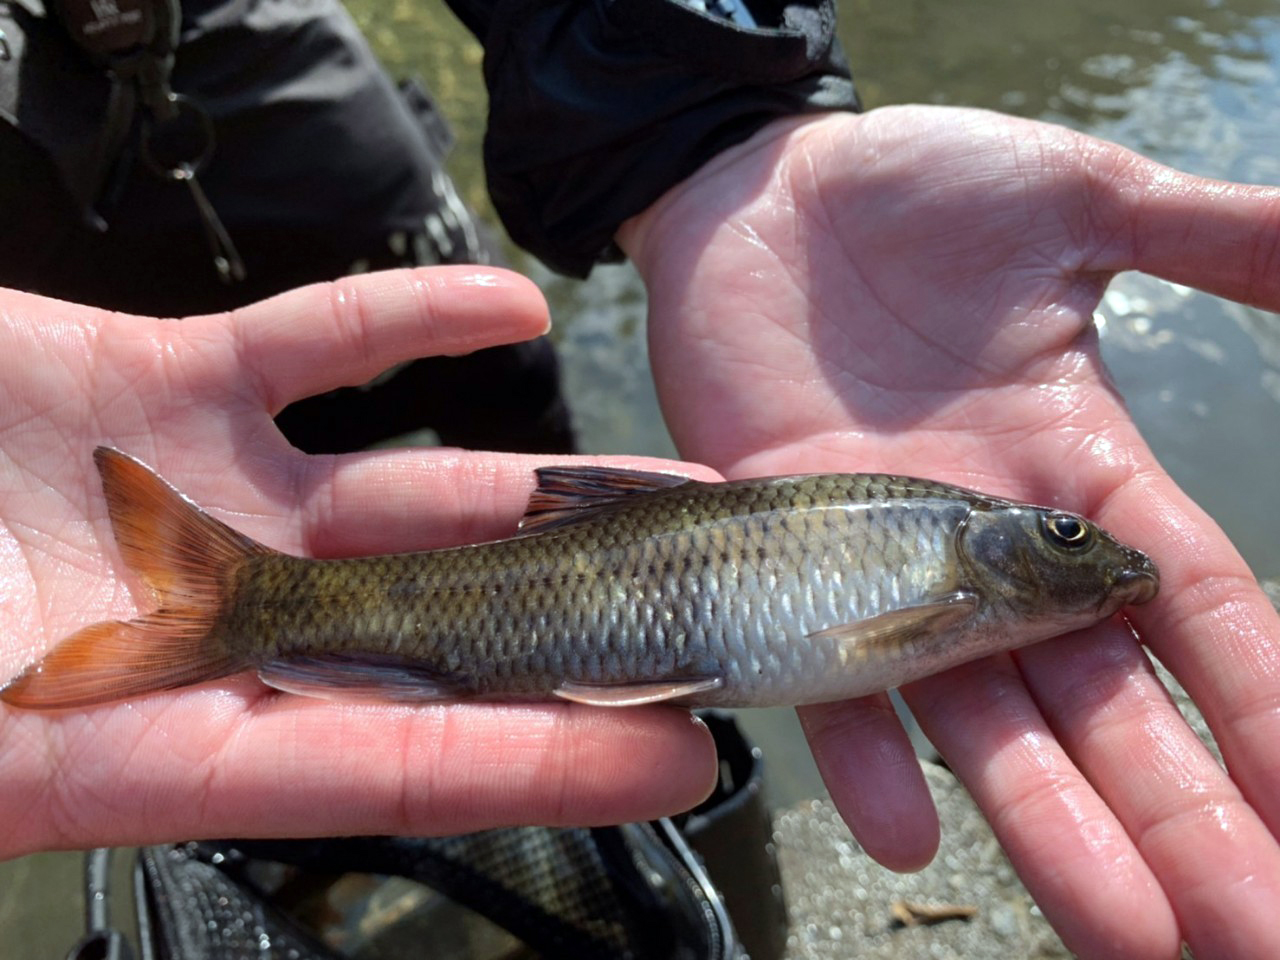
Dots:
pixel 1193 83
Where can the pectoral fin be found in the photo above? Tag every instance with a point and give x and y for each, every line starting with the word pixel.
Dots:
pixel 890 632
pixel 634 694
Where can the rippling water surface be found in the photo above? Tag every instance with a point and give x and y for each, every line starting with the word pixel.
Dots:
pixel 1192 83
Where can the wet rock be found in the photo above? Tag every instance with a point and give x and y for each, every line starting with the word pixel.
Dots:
pixel 1271 587
pixel 842 904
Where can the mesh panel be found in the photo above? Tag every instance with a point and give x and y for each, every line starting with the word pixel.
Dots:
pixel 556 872
pixel 199 913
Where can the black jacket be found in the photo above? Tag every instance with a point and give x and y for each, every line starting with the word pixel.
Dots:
pixel 597 107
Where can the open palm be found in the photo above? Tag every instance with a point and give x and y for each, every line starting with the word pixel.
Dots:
pixel 912 291
pixel 194 399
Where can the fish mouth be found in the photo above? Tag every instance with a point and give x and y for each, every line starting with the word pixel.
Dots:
pixel 1135 585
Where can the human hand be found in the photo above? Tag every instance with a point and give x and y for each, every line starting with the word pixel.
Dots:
pixel 912 291
pixel 194 399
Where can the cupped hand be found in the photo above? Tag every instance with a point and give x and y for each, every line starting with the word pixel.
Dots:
pixel 194 399
pixel 912 291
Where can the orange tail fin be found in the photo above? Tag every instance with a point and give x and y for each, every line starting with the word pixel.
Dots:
pixel 188 559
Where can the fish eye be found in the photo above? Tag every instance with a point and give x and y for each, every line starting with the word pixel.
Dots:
pixel 1066 530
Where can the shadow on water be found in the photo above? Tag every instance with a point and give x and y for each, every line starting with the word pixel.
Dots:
pixel 1192 83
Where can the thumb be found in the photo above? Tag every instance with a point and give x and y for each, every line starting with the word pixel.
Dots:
pixel 1223 238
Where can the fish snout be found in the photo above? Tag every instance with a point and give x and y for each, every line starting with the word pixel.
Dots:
pixel 1137 583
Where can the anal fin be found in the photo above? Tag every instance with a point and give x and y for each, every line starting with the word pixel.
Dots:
pixel 371 677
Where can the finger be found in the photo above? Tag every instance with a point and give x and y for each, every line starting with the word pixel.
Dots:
pixel 1220 237
pixel 1215 630
pixel 234 761
pixel 1213 856
pixel 346 332
pixel 1212 626
pixel 871 770
pixel 1070 850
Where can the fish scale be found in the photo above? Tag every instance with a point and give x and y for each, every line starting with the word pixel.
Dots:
pixel 537 609
pixel 626 587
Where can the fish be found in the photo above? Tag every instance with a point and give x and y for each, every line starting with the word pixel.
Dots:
pixel 620 587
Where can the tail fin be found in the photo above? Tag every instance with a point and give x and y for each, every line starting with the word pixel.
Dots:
pixel 188 560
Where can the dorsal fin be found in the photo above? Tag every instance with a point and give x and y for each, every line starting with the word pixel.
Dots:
pixel 568 494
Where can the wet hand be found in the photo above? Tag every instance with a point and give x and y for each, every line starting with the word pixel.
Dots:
pixel 195 399
pixel 912 291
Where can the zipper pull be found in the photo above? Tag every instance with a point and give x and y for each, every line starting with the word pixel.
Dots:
pixel 177 141
pixel 226 258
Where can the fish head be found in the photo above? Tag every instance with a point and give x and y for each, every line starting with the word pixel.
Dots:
pixel 1052 567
